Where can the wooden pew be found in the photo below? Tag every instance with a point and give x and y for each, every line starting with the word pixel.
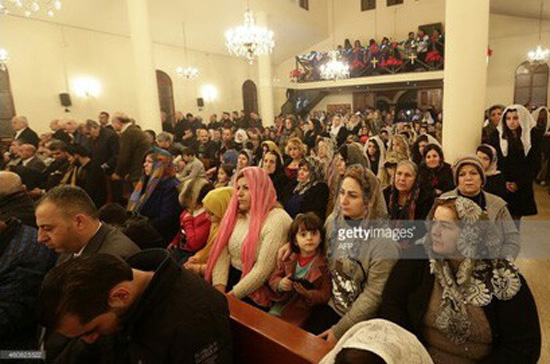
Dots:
pixel 259 337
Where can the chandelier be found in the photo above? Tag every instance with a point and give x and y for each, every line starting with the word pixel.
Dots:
pixel 249 40
pixel 334 69
pixel 539 54
pixel 4 58
pixel 29 7
pixel 187 73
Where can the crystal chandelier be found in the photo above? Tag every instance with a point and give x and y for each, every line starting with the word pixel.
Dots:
pixel 29 7
pixel 539 54
pixel 4 58
pixel 187 73
pixel 334 69
pixel 249 40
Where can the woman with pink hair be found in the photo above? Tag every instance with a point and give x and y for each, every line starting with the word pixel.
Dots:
pixel 254 227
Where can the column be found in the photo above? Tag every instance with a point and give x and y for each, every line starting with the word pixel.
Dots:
pixel 465 82
pixel 146 81
pixel 265 75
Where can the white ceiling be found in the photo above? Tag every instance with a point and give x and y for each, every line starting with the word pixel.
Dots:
pixel 523 8
pixel 205 21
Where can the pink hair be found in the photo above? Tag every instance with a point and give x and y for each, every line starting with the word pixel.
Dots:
pixel 263 199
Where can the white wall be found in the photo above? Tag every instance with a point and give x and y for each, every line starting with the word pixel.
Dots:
pixel 395 22
pixel 46 57
pixel 510 38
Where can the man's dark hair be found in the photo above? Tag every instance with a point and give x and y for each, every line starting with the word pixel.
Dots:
pixel 92 124
pixel 104 113
pixel 188 151
pixel 309 222
pixel 80 287
pixel 113 213
pixel 71 200
pixel 58 145
pixel 77 149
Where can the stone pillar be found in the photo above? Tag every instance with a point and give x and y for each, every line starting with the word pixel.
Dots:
pixel 146 80
pixel 465 82
pixel 265 75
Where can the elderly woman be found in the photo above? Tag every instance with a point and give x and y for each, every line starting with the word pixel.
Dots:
pixel 435 171
pixel 253 229
pixel 407 198
pixel 156 194
pixel 272 163
pixel 325 153
pixel 338 132
pixel 360 267
pixel 310 192
pixel 518 142
pixel 496 184
pixel 463 306
pixel 469 176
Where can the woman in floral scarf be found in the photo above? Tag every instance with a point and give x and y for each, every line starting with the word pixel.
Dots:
pixel 464 302
pixel 309 193
pixel 156 193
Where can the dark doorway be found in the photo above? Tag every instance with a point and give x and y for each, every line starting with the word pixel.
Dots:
pixel 166 94
pixel 250 97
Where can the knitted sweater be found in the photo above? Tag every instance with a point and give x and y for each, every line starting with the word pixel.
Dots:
pixel 272 236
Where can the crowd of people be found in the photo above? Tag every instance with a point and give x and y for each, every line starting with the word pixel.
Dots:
pixel 420 52
pixel 127 240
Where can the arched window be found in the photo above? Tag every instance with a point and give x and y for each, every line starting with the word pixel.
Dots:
pixel 166 93
pixel 250 97
pixel 531 84
pixel 7 108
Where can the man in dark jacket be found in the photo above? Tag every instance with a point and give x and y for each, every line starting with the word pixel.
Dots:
pixel 150 309
pixel 104 144
pixel 14 200
pixel 23 264
pixel 133 145
pixel 90 176
pixel 23 132
pixel 55 171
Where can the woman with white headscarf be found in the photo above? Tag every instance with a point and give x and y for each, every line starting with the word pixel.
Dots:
pixel 375 150
pixel 541 117
pixel 463 301
pixel 517 142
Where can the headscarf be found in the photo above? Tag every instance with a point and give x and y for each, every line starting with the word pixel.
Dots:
pixel 479 277
pixel 526 123
pixel 263 200
pixel 330 156
pixel 382 156
pixel 391 158
pixel 399 138
pixel 389 341
pixel 407 212
pixel 372 193
pixel 316 175
pixel 216 201
pixel 271 145
pixel 190 190
pixel 240 136
pixel 491 152
pixel 536 115
pixel 163 169
pixel 248 155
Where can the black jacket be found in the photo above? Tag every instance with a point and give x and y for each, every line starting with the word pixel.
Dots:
pixel 179 318
pixel 29 136
pixel 105 149
pixel 439 179
pixel 54 174
pixel 18 205
pixel 94 181
pixel 313 200
pixel 514 323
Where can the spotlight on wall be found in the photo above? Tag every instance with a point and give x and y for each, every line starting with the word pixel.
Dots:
pixel 209 92
pixel 4 59
pixel 86 86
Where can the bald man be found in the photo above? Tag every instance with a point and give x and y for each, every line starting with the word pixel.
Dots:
pixel 14 200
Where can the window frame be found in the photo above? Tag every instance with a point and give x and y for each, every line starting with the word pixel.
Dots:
pixel 533 71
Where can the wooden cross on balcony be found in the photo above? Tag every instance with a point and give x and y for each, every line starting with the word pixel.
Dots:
pixel 374 62
pixel 413 57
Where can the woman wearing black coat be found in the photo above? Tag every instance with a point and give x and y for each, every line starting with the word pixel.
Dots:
pixel 435 171
pixel 309 193
pixel 517 142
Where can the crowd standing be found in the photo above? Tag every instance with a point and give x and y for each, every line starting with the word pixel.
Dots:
pixel 135 238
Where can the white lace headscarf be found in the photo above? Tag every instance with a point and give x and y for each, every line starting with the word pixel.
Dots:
pixel 526 123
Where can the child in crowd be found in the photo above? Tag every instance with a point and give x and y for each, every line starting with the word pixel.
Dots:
pixel 304 280
pixel 194 221
pixel 225 172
